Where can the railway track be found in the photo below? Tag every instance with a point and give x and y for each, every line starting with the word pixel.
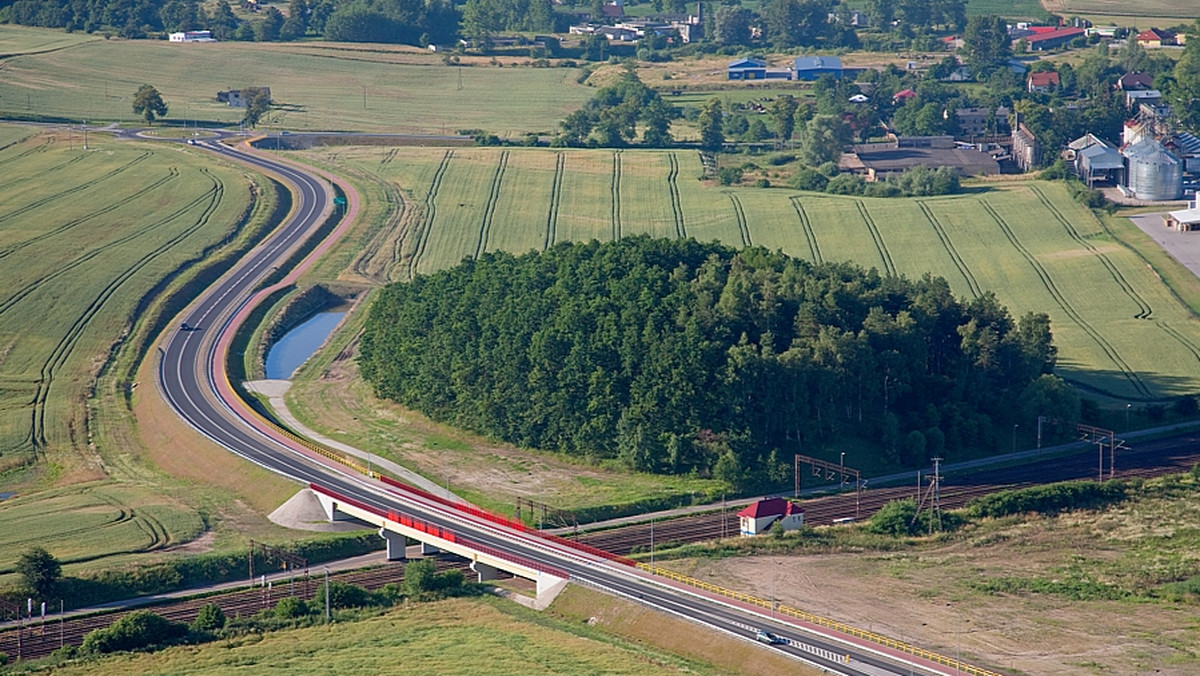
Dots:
pixel 38 640
pixel 1148 460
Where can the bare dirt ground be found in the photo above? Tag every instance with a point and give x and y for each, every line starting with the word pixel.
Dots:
pixel 924 596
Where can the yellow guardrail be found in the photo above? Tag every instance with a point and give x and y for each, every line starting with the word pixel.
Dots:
pixel 812 618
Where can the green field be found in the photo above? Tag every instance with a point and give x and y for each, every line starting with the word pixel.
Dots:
pixel 22 40
pixel 1185 10
pixel 457 636
pixel 92 523
pixel 316 85
pixel 1027 242
pixel 1013 9
pixel 84 236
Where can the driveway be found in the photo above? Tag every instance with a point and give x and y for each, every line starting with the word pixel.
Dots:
pixel 1182 246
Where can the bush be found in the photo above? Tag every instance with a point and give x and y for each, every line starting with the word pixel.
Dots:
pixel 809 179
pixel 1052 498
pixel 346 595
pixel 291 608
pixel 845 184
pixel 896 518
pixel 762 183
pixel 210 618
pixel 730 176
pixel 137 630
pixel 780 160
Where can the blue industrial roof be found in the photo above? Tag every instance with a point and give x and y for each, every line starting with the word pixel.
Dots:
pixel 818 63
pixel 747 63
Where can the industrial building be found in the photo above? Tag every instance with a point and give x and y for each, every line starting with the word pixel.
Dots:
pixel 1153 173
pixel 813 67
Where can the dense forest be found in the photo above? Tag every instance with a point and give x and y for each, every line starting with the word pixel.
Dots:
pixel 675 356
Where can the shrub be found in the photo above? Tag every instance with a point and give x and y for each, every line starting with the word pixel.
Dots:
pixel 810 179
pixel 1051 498
pixel 780 160
pixel 845 184
pixel 291 608
pixel 762 183
pixel 896 518
pixel 730 176
pixel 137 630
pixel 346 595
pixel 210 618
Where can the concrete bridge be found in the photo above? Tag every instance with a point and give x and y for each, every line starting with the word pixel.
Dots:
pixel 396 528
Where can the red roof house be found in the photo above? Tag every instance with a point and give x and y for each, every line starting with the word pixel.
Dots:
pixel 1135 82
pixel 903 95
pixel 1043 81
pixel 1156 37
pixel 760 516
pixel 1040 42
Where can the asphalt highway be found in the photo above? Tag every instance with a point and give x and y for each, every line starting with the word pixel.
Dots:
pixel 191 377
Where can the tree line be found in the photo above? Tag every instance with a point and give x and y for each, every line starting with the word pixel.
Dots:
pixel 673 356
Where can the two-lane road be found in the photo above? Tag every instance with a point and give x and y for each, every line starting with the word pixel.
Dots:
pixel 191 376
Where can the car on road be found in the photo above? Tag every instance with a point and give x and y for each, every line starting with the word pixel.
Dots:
pixel 764 636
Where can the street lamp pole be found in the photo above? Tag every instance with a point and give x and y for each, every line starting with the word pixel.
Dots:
pixel 1127 407
pixel 842 476
pixel 1014 444
pixel 958 635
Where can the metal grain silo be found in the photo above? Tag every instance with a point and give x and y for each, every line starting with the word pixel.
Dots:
pixel 1154 173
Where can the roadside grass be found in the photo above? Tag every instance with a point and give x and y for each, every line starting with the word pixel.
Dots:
pixel 315 86
pixel 459 636
pixel 1024 591
pixel 24 40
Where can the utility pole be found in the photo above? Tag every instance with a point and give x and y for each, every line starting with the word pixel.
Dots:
pixel 651 545
pixel 326 594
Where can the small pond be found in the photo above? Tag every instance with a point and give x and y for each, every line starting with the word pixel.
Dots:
pixel 297 345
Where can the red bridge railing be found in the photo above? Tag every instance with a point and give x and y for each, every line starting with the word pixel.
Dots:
pixel 440 532
pixel 507 522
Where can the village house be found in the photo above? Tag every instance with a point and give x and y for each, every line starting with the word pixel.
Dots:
pixel 1042 82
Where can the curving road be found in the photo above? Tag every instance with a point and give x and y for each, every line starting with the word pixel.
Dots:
pixel 191 377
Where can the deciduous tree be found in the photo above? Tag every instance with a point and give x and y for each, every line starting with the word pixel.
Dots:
pixel 148 103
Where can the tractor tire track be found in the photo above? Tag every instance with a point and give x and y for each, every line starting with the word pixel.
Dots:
pixel 489 209
pixel 49 170
pixel 810 235
pixel 8 303
pixel 39 148
pixel 615 191
pixel 389 156
pixel 948 244
pixel 1061 301
pixel 1180 338
pixel 75 188
pixel 673 188
pixel 67 343
pixel 888 266
pixel 555 200
pixel 743 226
pixel 172 174
pixel 430 213
pixel 1144 309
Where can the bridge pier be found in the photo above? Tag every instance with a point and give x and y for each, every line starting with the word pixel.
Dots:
pixel 484 571
pixel 330 507
pixel 428 549
pixel 396 544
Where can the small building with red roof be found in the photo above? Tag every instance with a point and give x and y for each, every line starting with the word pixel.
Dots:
pixel 1040 42
pixel 903 95
pixel 760 516
pixel 1156 37
pixel 1043 81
